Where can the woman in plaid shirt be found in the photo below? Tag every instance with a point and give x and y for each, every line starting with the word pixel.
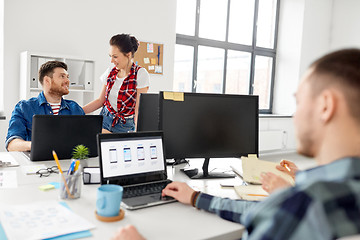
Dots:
pixel 122 85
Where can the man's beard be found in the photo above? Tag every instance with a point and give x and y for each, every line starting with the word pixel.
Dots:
pixel 58 91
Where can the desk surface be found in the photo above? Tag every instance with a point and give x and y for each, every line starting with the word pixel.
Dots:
pixel 169 221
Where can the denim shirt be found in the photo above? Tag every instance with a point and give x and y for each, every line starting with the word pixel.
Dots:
pixel 20 124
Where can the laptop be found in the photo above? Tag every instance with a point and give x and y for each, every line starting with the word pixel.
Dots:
pixel 136 161
pixel 62 133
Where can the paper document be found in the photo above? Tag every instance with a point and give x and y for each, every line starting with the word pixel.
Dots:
pixel 253 167
pixel 6 157
pixel 8 179
pixel 40 220
pixel 251 192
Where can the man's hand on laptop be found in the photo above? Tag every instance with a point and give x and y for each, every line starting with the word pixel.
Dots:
pixel 180 191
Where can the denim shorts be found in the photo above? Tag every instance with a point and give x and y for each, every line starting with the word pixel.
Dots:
pixel 120 127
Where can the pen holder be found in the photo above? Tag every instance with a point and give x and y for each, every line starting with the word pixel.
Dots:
pixel 70 186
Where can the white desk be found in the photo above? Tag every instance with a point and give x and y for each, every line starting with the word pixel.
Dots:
pixel 169 221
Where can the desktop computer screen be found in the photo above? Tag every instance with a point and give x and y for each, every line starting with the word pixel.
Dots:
pixel 148 117
pixel 209 126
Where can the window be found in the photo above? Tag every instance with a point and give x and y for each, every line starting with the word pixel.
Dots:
pixel 227 46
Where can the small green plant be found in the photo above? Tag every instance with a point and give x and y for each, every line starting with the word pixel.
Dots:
pixel 80 152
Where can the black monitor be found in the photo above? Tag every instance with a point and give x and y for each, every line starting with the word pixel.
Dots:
pixel 148 119
pixel 209 126
pixel 148 114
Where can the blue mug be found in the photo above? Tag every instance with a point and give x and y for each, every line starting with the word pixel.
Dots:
pixel 108 201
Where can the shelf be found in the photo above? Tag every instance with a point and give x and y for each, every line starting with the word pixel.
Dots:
pixel 81 71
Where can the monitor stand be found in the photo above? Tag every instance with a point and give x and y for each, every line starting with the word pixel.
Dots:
pixel 205 174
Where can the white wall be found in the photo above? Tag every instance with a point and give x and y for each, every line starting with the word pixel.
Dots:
pixel 82 28
pixel 304 35
pixel 346 24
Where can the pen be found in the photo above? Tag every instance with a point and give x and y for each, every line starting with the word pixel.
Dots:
pixel 71 168
pixel 77 163
pixel 61 172
pixel 258 195
pixel 287 167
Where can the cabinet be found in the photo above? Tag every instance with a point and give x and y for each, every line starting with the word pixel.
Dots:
pixel 81 75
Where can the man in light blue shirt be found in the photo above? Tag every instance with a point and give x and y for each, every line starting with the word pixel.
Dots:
pixel 325 201
pixel 54 79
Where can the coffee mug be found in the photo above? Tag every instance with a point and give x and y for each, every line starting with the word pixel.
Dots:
pixel 108 201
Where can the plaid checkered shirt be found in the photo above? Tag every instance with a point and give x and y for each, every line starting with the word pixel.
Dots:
pixel 323 204
pixel 126 100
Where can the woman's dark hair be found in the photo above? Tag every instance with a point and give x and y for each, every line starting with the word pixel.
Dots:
pixel 47 69
pixel 126 43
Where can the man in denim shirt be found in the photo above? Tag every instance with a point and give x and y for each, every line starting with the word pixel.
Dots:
pixel 54 79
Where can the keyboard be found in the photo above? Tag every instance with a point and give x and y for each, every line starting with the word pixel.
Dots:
pixel 146 189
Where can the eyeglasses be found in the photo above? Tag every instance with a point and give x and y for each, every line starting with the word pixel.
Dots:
pixel 45 172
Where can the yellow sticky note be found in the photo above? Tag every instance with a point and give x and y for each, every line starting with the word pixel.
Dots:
pixel 169 95
pixel 46 187
pixel 179 96
pixel 153 61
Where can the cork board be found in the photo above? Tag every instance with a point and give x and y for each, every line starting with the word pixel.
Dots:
pixel 150 56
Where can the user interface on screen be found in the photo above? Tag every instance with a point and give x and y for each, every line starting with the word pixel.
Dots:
pixel 129 156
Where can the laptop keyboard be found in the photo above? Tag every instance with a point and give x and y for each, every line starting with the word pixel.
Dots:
pixel 141 190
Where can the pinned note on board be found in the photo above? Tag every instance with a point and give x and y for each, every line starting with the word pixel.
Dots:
pixel 150 48
pixel 150 56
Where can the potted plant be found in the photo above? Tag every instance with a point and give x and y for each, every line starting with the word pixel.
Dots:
pixel 81 152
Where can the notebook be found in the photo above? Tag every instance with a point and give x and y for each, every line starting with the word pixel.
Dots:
pixel 62 133
pixel 253 167
pixel 136 161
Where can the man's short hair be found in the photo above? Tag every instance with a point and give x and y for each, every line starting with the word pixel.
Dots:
pixel 47 69
pixel 341 69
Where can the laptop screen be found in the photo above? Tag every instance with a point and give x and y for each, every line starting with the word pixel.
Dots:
pixel 62 133
pixel 132 157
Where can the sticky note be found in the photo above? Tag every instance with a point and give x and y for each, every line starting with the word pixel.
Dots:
pixel 179 96
pixel 46 187
pixel 153 61
pixel 169 95
pixel 146 60
pixel 151 67
pixel 55 184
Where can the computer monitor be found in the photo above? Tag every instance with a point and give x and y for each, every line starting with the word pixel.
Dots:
pixel 209 126
pixel 148 117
